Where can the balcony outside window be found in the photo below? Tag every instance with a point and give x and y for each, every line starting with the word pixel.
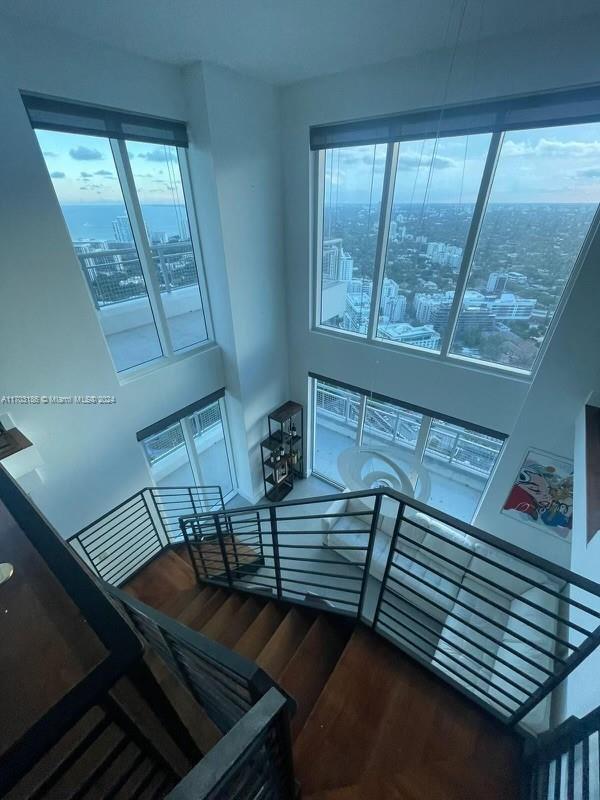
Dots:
pixel 448 465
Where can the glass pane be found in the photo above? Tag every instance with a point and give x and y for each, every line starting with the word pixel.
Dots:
pixel 336 421
pixel 351 206
pixel 158 183
pixel 168 457
pixel 392 430
pixel 211 448
pixel 436 187
pixel 459 463
pixel 84 177
pixel 543 199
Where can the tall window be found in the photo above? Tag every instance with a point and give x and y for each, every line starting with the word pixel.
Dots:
pixel 458 245
pixel 362 442
pixel 192 451
pixel 124 205
pixel 351 206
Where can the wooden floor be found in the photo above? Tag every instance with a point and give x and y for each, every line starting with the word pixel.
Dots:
pixel 371 723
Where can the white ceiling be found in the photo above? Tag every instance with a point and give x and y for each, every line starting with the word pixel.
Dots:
pixel 282 41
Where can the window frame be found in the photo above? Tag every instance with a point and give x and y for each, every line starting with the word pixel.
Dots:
pixel 143 247
pixel 444 355
pixel 183 418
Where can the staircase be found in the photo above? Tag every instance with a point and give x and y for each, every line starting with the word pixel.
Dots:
pixel 370 722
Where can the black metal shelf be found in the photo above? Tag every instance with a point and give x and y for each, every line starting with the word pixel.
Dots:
pixel 288 417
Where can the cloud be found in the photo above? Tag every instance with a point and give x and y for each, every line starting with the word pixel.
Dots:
pixel 106 172
pixel 57 175
pixel 159 154
pixel 414 160
pixel 49 154
pixel 145 175
pixel 551 148
pixel 86 175
pixel 82 153
pixel 590 172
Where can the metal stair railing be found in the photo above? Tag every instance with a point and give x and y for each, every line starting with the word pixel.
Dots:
pixel 125 539
pixel 565 763
pixel 500 624
pixel 224 683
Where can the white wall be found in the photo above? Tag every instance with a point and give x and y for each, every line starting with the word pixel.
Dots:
pixel 51 338
pixel 235 134
pixel 541 415
pixel 582 692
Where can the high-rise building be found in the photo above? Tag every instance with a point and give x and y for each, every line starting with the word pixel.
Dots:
pixel 122 229
pixel 337 265
pixel 123 232
pixel 496 282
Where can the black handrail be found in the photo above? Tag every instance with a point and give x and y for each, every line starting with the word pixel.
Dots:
pixel 125 539
pixel 253 550
pixel 427 602
pixel 225 683
pixel 544 770
pixel 525 555
pixel 253 760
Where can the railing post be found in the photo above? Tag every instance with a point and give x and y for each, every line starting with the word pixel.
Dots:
pixel 369 556
pixel 152 520
pixel 390 559
pixel 223 548
pixel 183 528
pixel 154 514
pixel 260 536
pixel 275 541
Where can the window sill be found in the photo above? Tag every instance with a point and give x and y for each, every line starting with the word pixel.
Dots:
pixel 482 367
pixel 135 373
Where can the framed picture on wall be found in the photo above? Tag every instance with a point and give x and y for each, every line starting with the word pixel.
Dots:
pixel 542 493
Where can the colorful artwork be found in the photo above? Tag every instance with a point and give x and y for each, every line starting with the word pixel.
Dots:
pixel 542 494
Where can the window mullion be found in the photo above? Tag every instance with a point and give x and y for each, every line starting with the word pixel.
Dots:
pixel 387 201
pixel 422 437
pixel 360 423
pixel 319 172
pixel 188 438
pixel 136 218
pixel 472 237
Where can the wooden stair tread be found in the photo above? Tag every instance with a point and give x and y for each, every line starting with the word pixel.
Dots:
pixel 161 580
pixel 311 665
pixel 197 614
pixel 260 631
pixel 283 643
pixel 246 615
pixel 387 724
pixel 219 623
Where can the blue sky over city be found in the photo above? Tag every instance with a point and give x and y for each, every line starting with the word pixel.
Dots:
pixel 82 169
pixel 550 165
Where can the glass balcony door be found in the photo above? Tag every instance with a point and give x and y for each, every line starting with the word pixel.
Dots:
pixel 194 451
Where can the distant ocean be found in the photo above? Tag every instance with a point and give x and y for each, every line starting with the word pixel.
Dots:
pixel 94 221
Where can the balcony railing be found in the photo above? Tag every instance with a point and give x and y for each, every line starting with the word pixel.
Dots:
pixel 115 275
pixel 447 443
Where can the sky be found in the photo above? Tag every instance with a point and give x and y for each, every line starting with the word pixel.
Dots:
pixel 82 169
pixel 548 165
